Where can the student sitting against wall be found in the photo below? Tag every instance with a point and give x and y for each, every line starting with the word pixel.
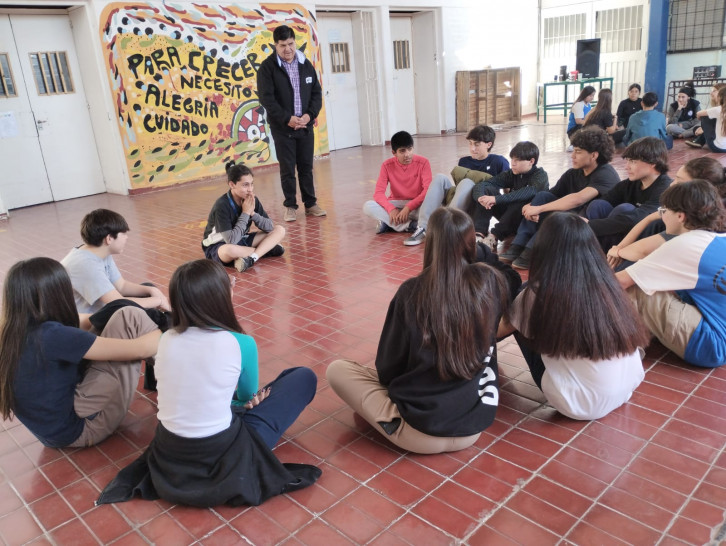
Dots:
pixel 647 122
pixel 435 384
pixel 228 237
pixel 480 165
pixel 713 125
pixel 680 289
pixel 216 430
pixel 69 387
pixel 586 363
pixel 649 233
pixel 682 114
pixel 521 182
pixel 631 200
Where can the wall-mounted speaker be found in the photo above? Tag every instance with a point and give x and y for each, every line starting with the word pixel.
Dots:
pixel 588 58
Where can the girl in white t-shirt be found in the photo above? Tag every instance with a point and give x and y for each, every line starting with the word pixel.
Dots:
pixel 578 332
pixel 713 123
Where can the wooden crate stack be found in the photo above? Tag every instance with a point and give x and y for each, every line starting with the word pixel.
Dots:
pixel 487 97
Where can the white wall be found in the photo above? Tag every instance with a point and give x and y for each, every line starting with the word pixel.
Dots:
pixel 679 66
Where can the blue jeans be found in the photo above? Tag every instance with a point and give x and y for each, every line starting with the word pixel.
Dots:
pixel 290 393
pixel 599 208
pixel 527 229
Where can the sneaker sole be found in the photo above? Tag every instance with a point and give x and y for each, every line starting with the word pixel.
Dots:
pixel 412 243
pixel 523 268
pixel 315 213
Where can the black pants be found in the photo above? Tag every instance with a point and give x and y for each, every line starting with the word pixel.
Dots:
pixel 533 359
pixel 296 150
pixel 509 216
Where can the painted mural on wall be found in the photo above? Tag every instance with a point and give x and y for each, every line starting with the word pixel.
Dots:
pixel 184 83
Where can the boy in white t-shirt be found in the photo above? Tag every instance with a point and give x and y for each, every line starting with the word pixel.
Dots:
pixel 680 289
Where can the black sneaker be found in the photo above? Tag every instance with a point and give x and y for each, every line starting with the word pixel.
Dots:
pixel 277 250
pixel 696 143
pixel 511 254
pixel 243 264
pixel 412 226
pixel 382 227
pixel 523 261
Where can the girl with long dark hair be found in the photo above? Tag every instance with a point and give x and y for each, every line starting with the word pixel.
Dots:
pixel 435 384
pixel 602 115
pixel 578 332
pixel 216 429
pixel 69 387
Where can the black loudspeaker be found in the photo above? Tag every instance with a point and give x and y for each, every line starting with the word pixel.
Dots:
pixel 588 58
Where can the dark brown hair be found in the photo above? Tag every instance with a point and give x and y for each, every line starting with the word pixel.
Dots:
pixel 586 92
pixel 709 169
pixel 579 308
pixel 650 150
pixel 99 223
pixel 603 108
pixel 236 172
pixel 593 139
pixel 36 291
pixel 458 302
pixel 699 201
pixel 200 295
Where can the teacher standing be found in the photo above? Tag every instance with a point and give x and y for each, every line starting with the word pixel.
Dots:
pixel 289 90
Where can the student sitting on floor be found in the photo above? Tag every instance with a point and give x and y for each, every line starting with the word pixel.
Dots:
pixel 649 233
pixel 713 126
pixel 95 278
pixel 615 214
pixel 629 106
pixel 591 176
pixel 648 122
pixel 682 114
pixel 579 110
pixel 522 181
pixel 586 363
pixel 228 237
pixel 408 176
pixel 435 384
pixel 680 289
pixel 216 430
pixel 69 387
pixel 602 115
pixel 480 165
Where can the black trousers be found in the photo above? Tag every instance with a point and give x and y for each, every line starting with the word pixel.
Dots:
pixel 509 216
pixel 296 150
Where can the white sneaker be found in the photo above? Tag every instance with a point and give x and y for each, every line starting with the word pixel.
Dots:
pixel 417 238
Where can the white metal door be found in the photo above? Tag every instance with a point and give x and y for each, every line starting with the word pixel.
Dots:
pixel 24 180
pixel 339 81
pixel 60 111
pixel 403 84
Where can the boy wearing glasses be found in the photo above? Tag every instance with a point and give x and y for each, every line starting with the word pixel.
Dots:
pixel 613 216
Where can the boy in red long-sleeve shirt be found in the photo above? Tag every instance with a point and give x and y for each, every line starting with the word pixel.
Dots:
pixel 408 177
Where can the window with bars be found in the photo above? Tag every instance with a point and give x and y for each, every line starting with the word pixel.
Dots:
pixel 401 54
pixel 7 83
pixel 696 25
pixel 560 35
pixel 51 72
pixel 620 29
pixel 339 57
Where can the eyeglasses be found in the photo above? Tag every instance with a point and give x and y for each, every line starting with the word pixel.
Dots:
pixel 661 210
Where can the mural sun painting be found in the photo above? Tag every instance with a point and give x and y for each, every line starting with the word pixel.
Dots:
pixel 184 84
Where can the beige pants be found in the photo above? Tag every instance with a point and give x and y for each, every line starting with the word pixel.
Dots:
pixel 359 387
pixel 667 317
pixel 107 389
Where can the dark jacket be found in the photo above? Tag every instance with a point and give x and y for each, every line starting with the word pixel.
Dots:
pixel 627 108
pixel 274 90
pixel 523 187
pixel 687 114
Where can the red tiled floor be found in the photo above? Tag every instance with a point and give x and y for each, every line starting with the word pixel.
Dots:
pixel 653 471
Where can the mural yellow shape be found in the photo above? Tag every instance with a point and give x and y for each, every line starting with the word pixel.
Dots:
pixel 183 80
